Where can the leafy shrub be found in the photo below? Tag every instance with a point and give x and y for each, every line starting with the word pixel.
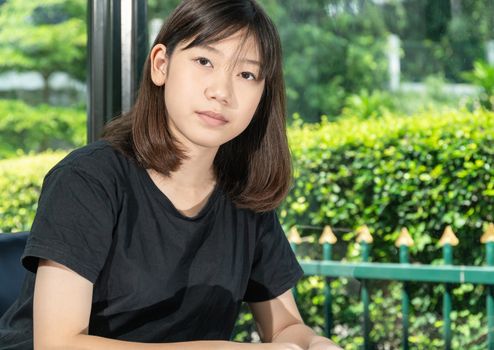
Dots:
pixel 20 185
pixel 367 105
pixel 394 171
pixel 26 129
pixel 483 76
pixel 433 98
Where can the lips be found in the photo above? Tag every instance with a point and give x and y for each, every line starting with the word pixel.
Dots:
pixel 212 118
pixel 213 115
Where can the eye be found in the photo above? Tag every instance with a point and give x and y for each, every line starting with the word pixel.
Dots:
pixel 203 61
pixel 248 76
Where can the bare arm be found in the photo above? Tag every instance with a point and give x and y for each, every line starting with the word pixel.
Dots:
pixel 61 310
pixel 279 321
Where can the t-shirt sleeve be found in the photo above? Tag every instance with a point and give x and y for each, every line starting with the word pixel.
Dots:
pixel 275 268
pixel 73 224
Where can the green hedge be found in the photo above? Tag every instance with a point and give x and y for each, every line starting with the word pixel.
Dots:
pixel 20 185
pixel 25 129
pixel 423 172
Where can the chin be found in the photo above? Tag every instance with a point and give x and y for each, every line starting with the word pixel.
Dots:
pixel 208 142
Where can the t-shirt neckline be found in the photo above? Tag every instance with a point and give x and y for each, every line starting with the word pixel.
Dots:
pixel 168 203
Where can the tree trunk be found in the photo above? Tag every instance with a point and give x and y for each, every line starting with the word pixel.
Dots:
pixel 490 11
pixel 46 87
pixel 456 8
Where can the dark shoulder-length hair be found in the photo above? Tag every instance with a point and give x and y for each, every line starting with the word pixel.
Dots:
pixel 254 168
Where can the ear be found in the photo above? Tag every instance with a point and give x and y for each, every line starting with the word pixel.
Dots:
pixel 159 64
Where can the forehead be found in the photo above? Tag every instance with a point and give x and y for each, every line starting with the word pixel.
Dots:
pixel 238 45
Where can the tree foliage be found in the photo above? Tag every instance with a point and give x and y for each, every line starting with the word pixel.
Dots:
pixel 45 37
pixel 442 37
pixel 332 49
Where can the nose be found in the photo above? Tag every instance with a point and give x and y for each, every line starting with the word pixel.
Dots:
pixel 220 89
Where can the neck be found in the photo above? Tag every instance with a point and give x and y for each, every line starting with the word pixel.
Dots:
pixel 196 172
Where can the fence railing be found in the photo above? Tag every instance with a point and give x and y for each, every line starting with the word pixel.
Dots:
pixel 403 271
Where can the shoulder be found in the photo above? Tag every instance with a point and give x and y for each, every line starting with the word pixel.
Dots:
pixel 265 223
pixel 269 222
pixel 253 221
pixel 94 155
pixel 97 160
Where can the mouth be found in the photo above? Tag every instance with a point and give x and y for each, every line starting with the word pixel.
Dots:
pixel 212 118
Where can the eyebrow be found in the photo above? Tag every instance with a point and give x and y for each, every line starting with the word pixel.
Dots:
pixel 215 50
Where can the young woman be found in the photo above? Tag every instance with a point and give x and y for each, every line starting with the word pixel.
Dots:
pixel 152 237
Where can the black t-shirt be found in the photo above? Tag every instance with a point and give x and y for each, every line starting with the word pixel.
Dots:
pixel 158 276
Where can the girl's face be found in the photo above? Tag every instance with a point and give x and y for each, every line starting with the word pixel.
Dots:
pixel 211 91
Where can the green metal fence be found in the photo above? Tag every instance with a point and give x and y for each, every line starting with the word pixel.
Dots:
pixel 447 274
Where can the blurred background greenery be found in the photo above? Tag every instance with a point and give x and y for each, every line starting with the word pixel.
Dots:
pixel 390 109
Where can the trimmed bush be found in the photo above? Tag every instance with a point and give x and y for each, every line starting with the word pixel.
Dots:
pixel 423 172
pixel 25 129
pixel 20 185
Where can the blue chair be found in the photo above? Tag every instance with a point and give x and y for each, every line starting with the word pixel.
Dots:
pixel 12 272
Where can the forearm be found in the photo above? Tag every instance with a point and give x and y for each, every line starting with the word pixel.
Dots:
pixel 303 336
pixel 83 342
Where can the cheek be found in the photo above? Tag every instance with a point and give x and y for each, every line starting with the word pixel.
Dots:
pixel 253 99
pixel 177 84
pixel 252 104
pixel 176 92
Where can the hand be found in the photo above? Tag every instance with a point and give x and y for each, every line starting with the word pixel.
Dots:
pixel 324 346
pixel 281 346
pixel 321 343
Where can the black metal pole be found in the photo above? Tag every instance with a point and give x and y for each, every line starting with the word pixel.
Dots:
pixel 96 72
pixel 133 46
pixel 117 49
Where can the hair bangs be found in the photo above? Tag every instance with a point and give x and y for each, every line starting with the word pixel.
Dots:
pixel 221 24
